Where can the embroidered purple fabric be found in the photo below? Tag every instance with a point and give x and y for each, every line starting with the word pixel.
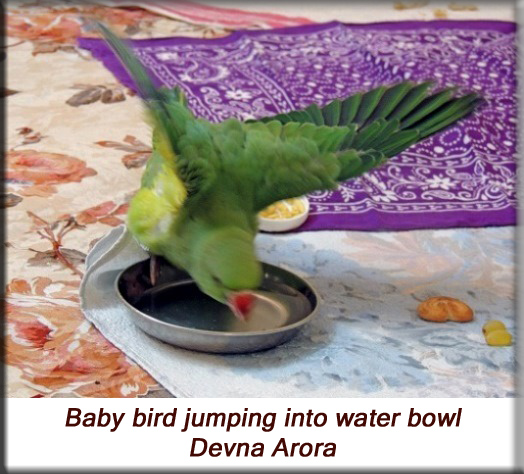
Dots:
pixel 461 177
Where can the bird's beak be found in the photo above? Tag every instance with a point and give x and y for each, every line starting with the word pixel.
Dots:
pixel 241 304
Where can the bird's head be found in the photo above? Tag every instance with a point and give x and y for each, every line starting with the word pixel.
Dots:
pixel 226 268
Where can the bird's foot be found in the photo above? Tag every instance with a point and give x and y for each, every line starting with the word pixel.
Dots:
pixel 153 269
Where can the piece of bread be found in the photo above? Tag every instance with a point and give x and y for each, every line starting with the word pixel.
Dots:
pixel 440 309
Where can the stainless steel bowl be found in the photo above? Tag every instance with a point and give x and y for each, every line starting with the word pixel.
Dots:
pixel 175 311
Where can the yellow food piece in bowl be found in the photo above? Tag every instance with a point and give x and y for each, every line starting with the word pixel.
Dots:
pixel 283 209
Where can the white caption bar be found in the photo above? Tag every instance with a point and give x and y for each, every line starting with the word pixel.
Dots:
pixel 469 433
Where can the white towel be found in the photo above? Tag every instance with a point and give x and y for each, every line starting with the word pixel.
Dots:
pixel 366 339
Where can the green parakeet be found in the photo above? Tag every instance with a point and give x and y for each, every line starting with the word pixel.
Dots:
pixel 206 182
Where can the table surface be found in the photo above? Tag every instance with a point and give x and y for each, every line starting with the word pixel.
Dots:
pixel 76 152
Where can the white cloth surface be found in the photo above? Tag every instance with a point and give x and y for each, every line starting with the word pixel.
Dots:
pixel 366 339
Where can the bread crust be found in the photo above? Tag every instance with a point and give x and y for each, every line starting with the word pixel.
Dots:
pixel 440 309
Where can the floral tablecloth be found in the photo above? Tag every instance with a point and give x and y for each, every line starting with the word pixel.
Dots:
pixel 75 154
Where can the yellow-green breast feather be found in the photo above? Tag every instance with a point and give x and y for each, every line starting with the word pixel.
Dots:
pixel 154 208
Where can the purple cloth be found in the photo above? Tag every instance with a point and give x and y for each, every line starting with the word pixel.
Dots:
pixel 462 177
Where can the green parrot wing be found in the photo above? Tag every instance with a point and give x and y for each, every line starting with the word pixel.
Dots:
pixel 291 159
pixel 372 127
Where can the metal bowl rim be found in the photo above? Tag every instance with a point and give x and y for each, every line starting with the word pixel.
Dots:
pixel 207 332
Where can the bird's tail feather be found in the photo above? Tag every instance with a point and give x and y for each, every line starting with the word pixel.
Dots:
pixel 166 106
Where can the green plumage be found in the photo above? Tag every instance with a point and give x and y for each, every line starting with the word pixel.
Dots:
pixel 205 183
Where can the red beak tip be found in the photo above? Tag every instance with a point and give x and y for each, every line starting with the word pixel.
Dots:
pixel 241 304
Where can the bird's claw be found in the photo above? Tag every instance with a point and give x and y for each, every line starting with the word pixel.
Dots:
pixel 153 269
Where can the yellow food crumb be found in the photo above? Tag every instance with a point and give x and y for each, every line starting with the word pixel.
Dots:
pixel 283 209
pixel 500 337
pixel 408 5
pixel 461 7
pixel 493 325
pixel 496 334
pixel 439 13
